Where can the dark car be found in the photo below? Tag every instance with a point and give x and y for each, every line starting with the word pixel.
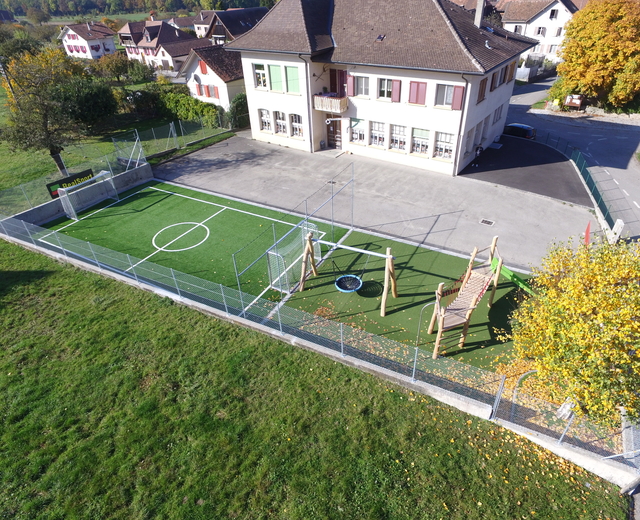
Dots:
pixel 520 130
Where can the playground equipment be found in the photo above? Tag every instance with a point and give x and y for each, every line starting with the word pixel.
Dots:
pixel 455 304
pixel 349 282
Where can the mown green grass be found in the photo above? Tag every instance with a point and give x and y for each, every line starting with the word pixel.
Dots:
pixel 118 404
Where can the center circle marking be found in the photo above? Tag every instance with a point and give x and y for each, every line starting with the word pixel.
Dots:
pixel 195 224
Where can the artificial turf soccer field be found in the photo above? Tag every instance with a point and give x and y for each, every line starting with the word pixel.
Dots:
pixel 197 233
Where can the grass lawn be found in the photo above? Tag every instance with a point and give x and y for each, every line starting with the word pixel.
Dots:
pixel 117 403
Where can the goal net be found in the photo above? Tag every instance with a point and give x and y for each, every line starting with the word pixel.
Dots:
pixel 284 258
pixel 88 193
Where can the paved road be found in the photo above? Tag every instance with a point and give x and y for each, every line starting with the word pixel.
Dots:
pixel 421 206
pixel 608 143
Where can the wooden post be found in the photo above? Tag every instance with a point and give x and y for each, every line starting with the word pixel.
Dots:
pixel 385 292
pixel 436 348
pixel 392 273
pixel 308 253
pixel 494 244
pixel 496 279
pixel 469 269
pixel 463 336
pixel 436 307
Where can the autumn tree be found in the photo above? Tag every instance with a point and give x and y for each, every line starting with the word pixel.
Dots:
pixel 51 102
pixel 37 16
pixel 114 65
pixel 581 330
pixel 601 52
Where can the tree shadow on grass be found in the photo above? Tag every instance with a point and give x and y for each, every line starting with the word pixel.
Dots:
pixel 10 280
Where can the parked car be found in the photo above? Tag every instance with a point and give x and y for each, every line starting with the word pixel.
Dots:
pixel 520 130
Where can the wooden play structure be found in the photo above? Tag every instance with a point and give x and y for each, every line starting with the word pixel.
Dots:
pixel 455 304
pixel 351 282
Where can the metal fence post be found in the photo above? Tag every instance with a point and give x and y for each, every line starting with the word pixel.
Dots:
pixel 566 429
pixel 25 196
pixel 24 224
pixel 415 362
pixel 133 270
pixel 55 234
pixel 175 282
pixel 496 403
pixel 224 299
pixel 175 135
pixel 94 256
pixel 342 339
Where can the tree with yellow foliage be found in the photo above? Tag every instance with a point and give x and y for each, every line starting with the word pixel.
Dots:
pixel 601 52
pixel 581 330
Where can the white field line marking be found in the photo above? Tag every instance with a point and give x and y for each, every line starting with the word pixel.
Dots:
pixel 93 213
pixel 226 207
pixel 607 172
pixel 636 204
pixel 616 182
pixel 176 239
pixel 625 192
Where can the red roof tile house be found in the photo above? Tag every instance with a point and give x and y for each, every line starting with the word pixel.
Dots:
pixel 90 40
pixel 214 75
pixel 417 82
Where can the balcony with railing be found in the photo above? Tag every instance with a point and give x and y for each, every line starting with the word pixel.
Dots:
pixel 331 103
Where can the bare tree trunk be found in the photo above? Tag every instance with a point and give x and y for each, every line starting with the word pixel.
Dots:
pixel 59 162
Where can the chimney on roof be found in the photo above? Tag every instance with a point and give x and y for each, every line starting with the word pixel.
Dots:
pixel 177 34
pixel 201 15
pixel 88 27
pixel 479 12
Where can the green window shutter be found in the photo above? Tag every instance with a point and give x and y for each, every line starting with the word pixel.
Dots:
pixel 275 76
pixel 293 83
pixel 424 134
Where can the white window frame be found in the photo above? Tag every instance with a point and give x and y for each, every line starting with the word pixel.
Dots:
pixel 553 14
pixel 541 31
pixel 420 145
pixel 280 122
pixel 296 125
pixel 559 32
pixel 358 134
pixel 361 86
pixel 378 134
pixel 260 76
pixel 398 139
pixel 265 120
pixel 443 148
pixel 385 88
pixel 446 99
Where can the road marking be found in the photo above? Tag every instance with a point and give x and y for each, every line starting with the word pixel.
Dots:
pixel 621 137
pixel 625 192
pixel 616 182
pixel 603 139
pixel 607 172
pixel 636 204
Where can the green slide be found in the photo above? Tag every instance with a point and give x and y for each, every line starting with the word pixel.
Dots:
pixel 512 277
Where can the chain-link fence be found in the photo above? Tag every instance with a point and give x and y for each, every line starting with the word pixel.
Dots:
pixel 126 155
pixel 475 384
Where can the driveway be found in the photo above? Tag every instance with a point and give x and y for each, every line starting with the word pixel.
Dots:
pixel 450 213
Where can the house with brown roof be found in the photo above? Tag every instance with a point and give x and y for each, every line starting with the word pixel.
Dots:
pixel 142 41
pixel 6 16
pixel 227 25
pixel 214 75
pixel 543 20
pixel 89 41
pixel 202 22
pixel 417 82
pixel 171 56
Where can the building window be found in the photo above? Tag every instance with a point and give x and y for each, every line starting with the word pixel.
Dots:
pixel 417 93
pixel 485 127
pixel 503 75
pixel 281 122
pixel 559 32
pixel 517 29
pixel 275 78
pixel 398 137
pixel 444 145
pixel 293 82
pixel 296 125
pixel 260 76
pixel 541 31
pixel 497 114
pixel 553 14
pixel 357 130
pixel 385 87
pixel 377 133
pixel 512 71
pixel 444 95
pixel 482 91
pixel 361 86
pixel 420 141
pixel 265 120
pixel 553 49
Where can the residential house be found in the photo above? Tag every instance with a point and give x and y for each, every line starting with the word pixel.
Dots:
pixel 172 55
pixel 6 16
pixel 90 40
pixel 202 22
pixel 416 82
pixel 543 20
pixel 227 25
pixel 182 22
pixel 214 75
pixel 142 40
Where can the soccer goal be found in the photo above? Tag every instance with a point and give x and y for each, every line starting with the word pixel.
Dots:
pixel 88 193
pixel 285 256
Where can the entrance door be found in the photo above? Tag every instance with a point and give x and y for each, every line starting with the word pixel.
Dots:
pixel 334 132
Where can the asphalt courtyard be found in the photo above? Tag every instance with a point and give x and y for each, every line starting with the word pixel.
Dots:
pixel 521 192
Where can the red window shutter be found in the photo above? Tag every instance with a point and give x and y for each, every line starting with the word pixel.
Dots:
pixel 216 93
pixel 422 93
pixel 395 90
pixel 203 67
pixel 413 92
pixel 198 89
pixel 207 90
pixel 458 98
pixel 333 82
pixel 350 85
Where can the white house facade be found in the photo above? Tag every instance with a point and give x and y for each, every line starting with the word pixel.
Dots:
pixel 381 101
pixel 213 75
pixel 88 41
pixel 543 20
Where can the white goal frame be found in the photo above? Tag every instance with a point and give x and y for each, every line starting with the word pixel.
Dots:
pixel 88 193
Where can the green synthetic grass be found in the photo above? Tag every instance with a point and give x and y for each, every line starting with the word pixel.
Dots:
pixel 192 232
pixel 418 273
pixel 119 404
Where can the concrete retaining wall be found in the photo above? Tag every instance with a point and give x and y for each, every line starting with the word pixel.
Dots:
pixel 53 209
